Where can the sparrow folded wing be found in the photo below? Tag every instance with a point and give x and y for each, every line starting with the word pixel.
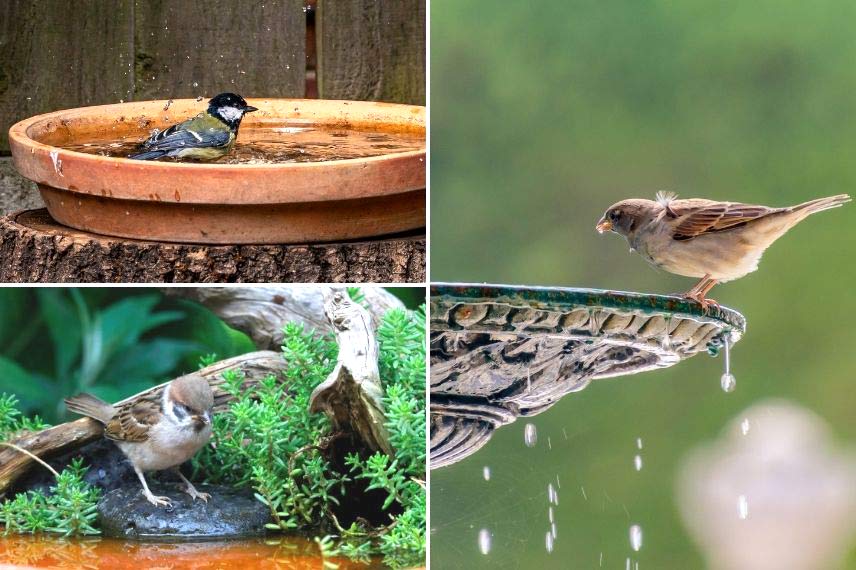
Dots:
pixel 133 420
pixel 696 220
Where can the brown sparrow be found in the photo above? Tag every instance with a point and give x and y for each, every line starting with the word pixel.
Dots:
pixel 714 241
pixel 159 430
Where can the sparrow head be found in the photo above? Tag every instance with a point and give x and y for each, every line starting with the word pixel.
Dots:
pixel 626 216
pixel 229 108
pixel 189 401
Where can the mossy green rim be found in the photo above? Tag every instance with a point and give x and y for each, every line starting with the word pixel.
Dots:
pixel 546 298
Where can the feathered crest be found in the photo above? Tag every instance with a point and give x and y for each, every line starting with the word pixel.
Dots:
pixel 664 197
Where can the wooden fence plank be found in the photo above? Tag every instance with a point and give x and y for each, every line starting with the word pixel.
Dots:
pixel 191 48
pixel 56 54
pixel 371 50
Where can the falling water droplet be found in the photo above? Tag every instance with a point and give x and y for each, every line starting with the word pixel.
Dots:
pixel 639 443
pixel 484 541
pixel 530 435
pixel 551 493
pixel 744 426
pixel 743 507
pixel 196 84
pixel 486 473
pixel 636 537
pixel 553 530
pixel 550 514
pixel 637 462
pixel 728 382
pixel 549 542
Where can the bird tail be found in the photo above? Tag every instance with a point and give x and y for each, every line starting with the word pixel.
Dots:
pixel 148 155
pixel 89 405
pixel 821 204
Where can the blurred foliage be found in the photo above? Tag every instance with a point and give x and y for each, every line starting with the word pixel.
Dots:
pixel 269 440
pixel 112 343
pixel 542 115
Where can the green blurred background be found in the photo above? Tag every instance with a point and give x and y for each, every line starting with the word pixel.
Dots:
pixel 111 342
pixel 544 114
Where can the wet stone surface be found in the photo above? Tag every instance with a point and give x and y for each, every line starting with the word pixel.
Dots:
pixel 229 513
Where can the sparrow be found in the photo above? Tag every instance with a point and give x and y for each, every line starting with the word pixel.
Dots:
pixel 206 136
pixel 713 241
pixel 156 431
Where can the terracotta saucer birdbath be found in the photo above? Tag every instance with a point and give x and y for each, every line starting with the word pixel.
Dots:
pixel 332 197
pixel 500 352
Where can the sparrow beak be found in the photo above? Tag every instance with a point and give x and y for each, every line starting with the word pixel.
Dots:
pixel 250 109
pixel 203 420
pixel 603 225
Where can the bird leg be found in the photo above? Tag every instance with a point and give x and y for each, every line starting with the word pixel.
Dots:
pixel 153 499
pixel 700 290
pixel 190 489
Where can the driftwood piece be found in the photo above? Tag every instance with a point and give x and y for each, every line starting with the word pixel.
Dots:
pixel 35 249
pixel 71 435
pixel 261 312
pixel 351 396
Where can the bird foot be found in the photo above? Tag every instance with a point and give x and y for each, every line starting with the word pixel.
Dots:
pixel 191 490
pixel 158 501
pixel 703 301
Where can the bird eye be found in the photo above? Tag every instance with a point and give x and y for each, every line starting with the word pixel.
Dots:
pixel 614 215
pixel 180 411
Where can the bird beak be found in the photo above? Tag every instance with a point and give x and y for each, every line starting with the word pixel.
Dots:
pixel 250 109
pixel 603 226
pixel 204 419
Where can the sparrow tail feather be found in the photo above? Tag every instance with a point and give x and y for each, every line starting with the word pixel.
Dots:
pixel 821 204
pixel 89 405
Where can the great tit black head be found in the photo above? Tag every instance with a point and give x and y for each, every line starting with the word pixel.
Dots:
pixel 229 108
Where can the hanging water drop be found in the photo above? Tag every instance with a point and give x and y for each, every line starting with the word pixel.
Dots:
pixel 728 382
pixel 530 435
pixel 484 541
pixel 636 537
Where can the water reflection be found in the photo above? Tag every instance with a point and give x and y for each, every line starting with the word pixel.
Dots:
pixel 111 554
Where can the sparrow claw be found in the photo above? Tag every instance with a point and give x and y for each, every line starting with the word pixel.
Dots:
pixel 704 302
pixel 159 501
pixel 194 494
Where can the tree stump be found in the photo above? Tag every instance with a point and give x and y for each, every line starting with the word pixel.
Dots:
pixel 36 249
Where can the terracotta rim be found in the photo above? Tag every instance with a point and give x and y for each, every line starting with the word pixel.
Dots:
pixel 244 184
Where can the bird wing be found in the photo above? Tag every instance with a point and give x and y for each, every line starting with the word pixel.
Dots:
pixel 700 217
pixel 191 133
pixel 133 420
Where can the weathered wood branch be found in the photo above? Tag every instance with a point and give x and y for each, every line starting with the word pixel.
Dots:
pixel 352 396
pixel 71 435
pixel 261 312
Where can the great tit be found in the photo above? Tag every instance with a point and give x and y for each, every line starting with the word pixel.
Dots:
pixel 206 136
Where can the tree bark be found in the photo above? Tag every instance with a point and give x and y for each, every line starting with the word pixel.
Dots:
pixel 35 249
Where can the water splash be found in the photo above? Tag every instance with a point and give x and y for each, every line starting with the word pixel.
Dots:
pixel 636 537
pixel 530 435
pixel 727 381
pixel 484 541
pixel 486 473
pixel 743 507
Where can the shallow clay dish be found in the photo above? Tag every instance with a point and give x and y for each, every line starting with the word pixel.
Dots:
pixel 224 203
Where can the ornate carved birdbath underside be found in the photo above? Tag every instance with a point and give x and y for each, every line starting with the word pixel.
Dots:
pixel 500 352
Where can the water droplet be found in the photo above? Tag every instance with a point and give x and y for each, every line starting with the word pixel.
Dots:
pixel 553 530
pixel 744 426
pixel 636 537
pixel 486 473
pixel 637 462
pixel 530 435
pixel 484 541
pixel 639 443
pixel 196 84
pixel 551 493
pixel 583 490
pixel 549 444
pixel 550 514
pixel 728 382
pixel 743 507
pixel 549 542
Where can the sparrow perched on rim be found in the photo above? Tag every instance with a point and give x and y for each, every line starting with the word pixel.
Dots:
pixel 159 430
pixel 206 136
pixel 713 241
